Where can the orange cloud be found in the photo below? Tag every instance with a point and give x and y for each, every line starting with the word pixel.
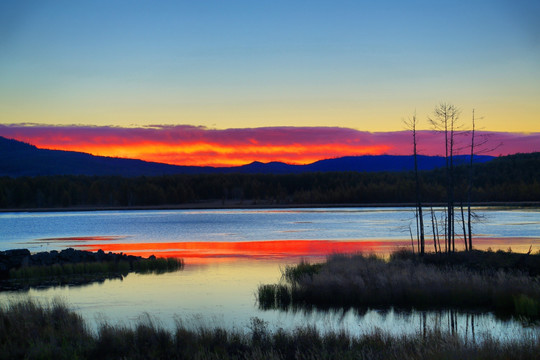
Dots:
pixel 194 145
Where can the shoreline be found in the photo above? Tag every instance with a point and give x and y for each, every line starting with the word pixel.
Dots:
pixel 20 269
pixel 249 204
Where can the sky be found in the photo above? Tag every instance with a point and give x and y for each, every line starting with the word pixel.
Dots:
pixel 253 72
pixel 200 146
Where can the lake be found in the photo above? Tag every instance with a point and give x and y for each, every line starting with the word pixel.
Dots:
pixel 228 253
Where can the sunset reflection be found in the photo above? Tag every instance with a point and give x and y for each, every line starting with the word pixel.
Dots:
pixel 232 251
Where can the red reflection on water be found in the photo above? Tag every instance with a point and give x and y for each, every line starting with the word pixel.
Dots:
pixel 219 251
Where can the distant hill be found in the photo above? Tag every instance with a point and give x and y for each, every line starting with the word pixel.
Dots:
pixel 21 159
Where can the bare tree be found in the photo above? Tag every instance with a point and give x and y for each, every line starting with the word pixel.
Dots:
pixel 469 187
pixel 445 119
pixel 411 125
pixel 478 145
pixel 435 229
pixel 463 226
pixel 412 240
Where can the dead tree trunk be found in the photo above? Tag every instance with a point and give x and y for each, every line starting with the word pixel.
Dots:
pixel 412 240
pixel 445 121
pixel 464 231
pixel 433 230
pixel 469 187
pixel 411 124
pixel 451 222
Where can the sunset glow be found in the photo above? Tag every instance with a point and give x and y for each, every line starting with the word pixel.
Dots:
pixel 220 84
pixel 204 252
pixel 192 145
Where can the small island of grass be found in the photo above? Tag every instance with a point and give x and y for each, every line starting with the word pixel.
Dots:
pixel 503 282
pixel 19 268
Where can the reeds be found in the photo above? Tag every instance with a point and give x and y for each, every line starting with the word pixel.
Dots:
pixel 301 270
pixel 84 272
pixel 273 296
pixel 360 281
pixel 30 330
pixel 157 265
pixel 67 269
pixel 478 260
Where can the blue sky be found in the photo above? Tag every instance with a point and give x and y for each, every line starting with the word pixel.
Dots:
pixel 245 64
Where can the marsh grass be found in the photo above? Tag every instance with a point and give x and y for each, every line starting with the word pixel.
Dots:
pixel 29 330
pixel 478 260
pixel 272 296
pixel 403 282
pixel 55 270
pixel 157 265
pixel 32 330
pixel 84 272
pixel 303 269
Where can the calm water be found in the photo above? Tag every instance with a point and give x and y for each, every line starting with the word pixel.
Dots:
pixel 516 228
pixel 228 253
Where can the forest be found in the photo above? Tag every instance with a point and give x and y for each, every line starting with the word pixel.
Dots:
pixel 514 178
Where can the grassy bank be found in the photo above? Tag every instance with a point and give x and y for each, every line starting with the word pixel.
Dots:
pixel 84 272
pixel 406 281
pixel 29 330
pixel 150 265
pixel 476 260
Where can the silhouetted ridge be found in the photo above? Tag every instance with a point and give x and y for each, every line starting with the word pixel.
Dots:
pixel 21 159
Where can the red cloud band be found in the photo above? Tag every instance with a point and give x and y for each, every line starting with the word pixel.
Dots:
pixel 196 145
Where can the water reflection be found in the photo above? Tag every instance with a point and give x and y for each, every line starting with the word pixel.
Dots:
pixel 470 326
pixel 223 294
pixel 62 273
pixel 57 230
pixel 229 253
pixel 202 252
pixel 24 286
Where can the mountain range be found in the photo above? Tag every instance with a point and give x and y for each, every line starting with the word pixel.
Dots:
pixel 22 159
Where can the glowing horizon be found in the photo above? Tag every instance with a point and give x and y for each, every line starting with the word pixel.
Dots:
pixel 200 146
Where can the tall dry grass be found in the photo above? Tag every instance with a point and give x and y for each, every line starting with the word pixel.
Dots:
pixel 86 272
pixel 29 330
pixel 369 281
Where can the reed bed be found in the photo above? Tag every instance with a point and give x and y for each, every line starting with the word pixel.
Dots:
pixel 150 265
pixel 403 282
pixel 478 260
pixel 86 272
pixel 30 330
pixel 157 265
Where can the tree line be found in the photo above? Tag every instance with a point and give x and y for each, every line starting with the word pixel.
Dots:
pixel 504 179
